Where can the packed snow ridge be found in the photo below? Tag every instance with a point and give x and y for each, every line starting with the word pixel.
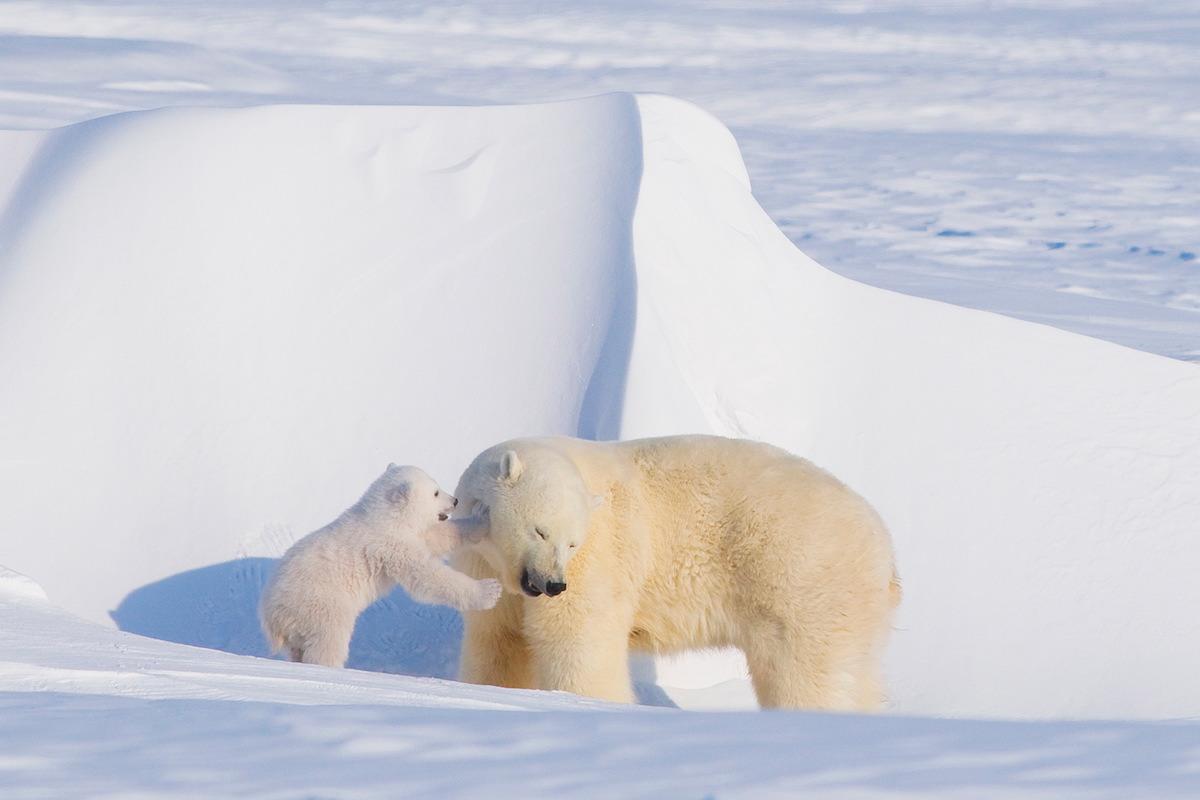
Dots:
pixel 217 325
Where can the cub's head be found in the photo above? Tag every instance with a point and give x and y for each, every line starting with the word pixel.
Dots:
pixel 409 493
pixel 538 507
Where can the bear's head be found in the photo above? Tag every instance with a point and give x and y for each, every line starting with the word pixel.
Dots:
pixel 538 508
pixel 409 495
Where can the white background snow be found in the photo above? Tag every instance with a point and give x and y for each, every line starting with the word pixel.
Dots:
pixel 1035 158
pixel 217 325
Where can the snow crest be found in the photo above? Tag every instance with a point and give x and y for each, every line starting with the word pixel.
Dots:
pixel 15 585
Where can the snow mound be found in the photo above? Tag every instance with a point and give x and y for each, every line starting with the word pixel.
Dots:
pixel 15 585
pixel 218 325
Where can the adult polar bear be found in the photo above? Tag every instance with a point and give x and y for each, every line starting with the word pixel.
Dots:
pixel 669 544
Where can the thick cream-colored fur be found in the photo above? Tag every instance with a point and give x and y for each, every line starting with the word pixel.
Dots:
pixel 672 544
pixel 395 534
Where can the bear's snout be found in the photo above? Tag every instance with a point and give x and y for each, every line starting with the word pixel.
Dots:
pixel 535 585
pixel 527 584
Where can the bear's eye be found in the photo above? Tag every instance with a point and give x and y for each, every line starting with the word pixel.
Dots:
pixel 437 492
pixel 539 532
pixel 573 545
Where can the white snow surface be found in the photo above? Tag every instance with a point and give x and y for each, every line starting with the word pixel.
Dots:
pixel 117 715
pixel 217 325
pixel 1039 159
pixel 255 309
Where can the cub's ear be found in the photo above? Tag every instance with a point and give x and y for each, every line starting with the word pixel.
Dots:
pixel 510 467
pixel 392 467
pixel 597 500
pixel 398 494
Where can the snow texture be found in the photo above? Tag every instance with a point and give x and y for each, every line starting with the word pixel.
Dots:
pixel 182 722
pixel 1033 158
pixel 258 307
pixel 218 324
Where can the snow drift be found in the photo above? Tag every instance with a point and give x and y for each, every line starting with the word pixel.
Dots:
pixel 217 325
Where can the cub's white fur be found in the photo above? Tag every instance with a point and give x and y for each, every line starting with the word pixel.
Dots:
pixel 395 534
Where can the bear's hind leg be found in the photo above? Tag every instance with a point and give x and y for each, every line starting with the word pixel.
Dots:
pixel 792 671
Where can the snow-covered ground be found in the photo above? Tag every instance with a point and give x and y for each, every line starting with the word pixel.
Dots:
pixel 217 325
pixel 1039 159
pixel 112 715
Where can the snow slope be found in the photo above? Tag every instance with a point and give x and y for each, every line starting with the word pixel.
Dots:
pixel 256 310
pixel 217 325
pixel 1043 488
pixel 1033 158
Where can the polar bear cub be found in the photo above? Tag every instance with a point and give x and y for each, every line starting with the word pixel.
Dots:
pixel 395 534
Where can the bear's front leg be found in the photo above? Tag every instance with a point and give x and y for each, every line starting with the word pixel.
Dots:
pixel 580 645
pixel 494 652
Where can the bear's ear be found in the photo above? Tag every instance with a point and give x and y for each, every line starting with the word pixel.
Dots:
pixel 510 467
pixel 392 467
pixel 398 494
pixel 597 500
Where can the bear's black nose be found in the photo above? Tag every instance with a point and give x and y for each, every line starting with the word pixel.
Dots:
pixel 455 504
pixel 527 584
pixel 553 588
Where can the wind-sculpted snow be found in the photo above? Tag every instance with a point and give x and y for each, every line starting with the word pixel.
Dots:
pixel 1043 488
pixel 216 325
pixel 1032 158
pixel 254 310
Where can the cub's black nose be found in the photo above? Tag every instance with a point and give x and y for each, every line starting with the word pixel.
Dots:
pixel 553 588
pixel 455 504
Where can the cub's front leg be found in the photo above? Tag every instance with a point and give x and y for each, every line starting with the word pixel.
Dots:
pixel 430 580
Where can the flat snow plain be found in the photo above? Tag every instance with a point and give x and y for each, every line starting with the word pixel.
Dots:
pixel 220 324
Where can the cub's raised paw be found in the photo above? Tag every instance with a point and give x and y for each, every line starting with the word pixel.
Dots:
pixel 488 594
